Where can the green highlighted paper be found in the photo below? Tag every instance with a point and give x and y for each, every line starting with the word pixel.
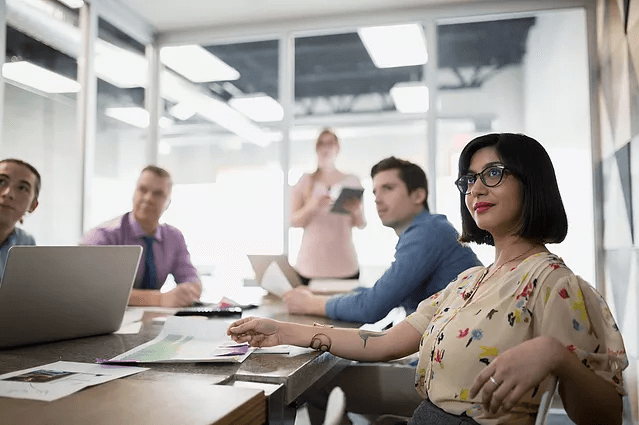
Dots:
pixel 188 339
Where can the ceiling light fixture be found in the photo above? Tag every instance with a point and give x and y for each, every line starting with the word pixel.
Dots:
pixel 197 64
pixel 259 107
pixel 73 4
pixel 410 98
pixel 178 90
pixel 183 111
pixel 120 67
pixel 221 113
pixel 395 45
pixel 39 78
pixel 136 116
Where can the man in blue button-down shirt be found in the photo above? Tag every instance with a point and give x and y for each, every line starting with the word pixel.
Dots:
pixel 19 190
pixel 427 255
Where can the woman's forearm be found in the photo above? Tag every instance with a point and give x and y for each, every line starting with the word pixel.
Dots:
pixel 354 344
pixel 587 397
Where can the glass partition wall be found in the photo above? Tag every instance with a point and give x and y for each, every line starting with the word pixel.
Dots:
pixel 39 115
pixel 519 74
pixel 223 148
pixel 121 120
pixel 235 147
pixel 355 89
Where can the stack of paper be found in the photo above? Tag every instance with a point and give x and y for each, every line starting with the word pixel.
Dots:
pixel 53 381
pixel 188 339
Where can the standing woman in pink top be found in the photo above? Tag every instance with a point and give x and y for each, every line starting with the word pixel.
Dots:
pixel 327 249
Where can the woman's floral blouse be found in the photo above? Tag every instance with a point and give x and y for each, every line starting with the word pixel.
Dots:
pixel 468 324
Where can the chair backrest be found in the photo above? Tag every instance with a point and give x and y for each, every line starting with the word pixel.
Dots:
pixel 335 407
pixel 546 401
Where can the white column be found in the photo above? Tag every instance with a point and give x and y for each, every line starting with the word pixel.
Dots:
pixel 86 107
pixel 430 70
pixel 153 101
pixel 286 87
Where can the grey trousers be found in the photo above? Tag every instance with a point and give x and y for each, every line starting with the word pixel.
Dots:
pixel 429 414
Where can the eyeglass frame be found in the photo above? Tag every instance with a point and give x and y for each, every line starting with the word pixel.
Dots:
pixel 502 167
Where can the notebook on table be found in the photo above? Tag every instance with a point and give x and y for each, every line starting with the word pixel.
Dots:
pixel 286 274
pixel 50 293
pixel 274 273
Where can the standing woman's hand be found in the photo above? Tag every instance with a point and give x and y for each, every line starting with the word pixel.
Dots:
pixel 319 201
pixel 353 205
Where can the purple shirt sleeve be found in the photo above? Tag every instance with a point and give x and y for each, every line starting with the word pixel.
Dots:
pixel 182 269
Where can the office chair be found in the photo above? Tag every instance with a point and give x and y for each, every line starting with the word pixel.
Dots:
pixel 335 407
pixel 542 413
pixel 546 401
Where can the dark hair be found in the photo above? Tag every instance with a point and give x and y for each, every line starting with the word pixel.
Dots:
pixel 543 216
pixel 32 169
pixel 158 171
pixel 411 174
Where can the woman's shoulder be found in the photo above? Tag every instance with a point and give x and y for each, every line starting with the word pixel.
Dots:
pixel 539 274
pixel 543 263
pixel 304 180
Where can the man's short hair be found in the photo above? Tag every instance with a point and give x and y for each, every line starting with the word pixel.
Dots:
pixel 411 174
pixel 160 172
pixel 31 168
pixel 543 215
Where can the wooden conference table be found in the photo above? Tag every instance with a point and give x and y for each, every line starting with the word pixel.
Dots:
pixel 262 389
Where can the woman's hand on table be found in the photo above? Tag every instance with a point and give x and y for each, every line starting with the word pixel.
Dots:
pixel 258 332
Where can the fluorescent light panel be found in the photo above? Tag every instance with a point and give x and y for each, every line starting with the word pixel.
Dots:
pixel 136 116
pixel 39 78
pixel 120 67
pixel 410 98
pixel 395 45
pixel 258 107
pixel 183 111
pixel 73 4
pixel 197 64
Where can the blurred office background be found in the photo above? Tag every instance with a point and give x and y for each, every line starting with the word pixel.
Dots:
pixel 230 96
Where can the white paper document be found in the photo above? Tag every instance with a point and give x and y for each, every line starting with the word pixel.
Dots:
pixel 332 286
pixel 188 340
pixel 132 321
pixel 278 349
pixel 56 380
pixel 275 281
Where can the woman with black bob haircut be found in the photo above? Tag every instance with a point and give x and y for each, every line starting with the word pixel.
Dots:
pixel 544 218
pixel 491 341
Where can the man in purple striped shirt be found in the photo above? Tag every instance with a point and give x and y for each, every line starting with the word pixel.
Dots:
pixel 168 253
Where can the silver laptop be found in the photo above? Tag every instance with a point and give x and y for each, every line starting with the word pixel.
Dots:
pixel 49 293
pixel 261 262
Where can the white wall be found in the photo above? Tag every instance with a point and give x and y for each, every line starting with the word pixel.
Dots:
pixel 42 132
pixel 557 113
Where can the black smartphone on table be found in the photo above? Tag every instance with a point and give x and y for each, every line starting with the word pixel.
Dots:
pixel 210 311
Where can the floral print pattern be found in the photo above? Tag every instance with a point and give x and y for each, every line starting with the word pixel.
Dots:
pixel 468 324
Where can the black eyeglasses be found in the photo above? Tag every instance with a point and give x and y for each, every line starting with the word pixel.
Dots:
pixel 490 176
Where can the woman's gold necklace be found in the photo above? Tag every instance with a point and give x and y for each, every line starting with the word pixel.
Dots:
pixel 485 278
